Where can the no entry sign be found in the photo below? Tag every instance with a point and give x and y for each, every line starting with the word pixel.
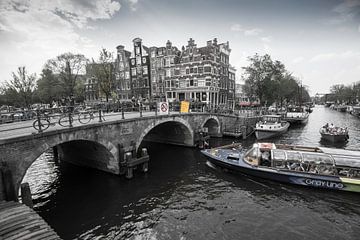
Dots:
pixel 163 108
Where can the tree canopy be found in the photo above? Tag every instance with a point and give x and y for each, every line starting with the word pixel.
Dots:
pixel 69 68
pixel 269 81
pixel 20 89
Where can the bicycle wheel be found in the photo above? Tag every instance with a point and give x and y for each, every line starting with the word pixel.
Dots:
pixel 41 124
pixel 64 121
pixel 84 118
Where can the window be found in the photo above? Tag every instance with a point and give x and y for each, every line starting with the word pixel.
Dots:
pixel 168 73
pixel 187 71
pixel 191 82
pixel 177 72
pixel 207 69
pixel 127 75
pixel 201 83
pixel 138 60
pixel 200 70
pixel 168 94
pixel 191 70
pixel 133 72
pixel 195 70
pixel 145 70
pixel 137 50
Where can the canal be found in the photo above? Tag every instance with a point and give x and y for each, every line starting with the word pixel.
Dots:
pixel 181 197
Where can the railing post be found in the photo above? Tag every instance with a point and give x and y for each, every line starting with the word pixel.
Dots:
pixel 122 111
pixel 70 120
pixel 100 117
pixel 38 120
pixel 140 109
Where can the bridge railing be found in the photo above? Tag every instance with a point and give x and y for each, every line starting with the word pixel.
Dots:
pixel 50 118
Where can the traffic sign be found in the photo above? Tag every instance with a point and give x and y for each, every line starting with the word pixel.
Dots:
pixel 163 108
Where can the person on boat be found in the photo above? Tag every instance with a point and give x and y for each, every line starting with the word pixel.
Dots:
pixel 265 159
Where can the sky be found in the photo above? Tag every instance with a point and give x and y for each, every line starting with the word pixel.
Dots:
pixel 317 40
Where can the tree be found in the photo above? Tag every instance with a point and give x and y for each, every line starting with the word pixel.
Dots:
pixel 49 86
pixel 103 70
pixel 260 78
pixel 21 88
pixel 69 68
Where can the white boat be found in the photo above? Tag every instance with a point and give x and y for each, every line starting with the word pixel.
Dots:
pixel 296 115
pixel 270 126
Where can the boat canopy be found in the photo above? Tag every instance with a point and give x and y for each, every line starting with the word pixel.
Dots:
pixel 280 155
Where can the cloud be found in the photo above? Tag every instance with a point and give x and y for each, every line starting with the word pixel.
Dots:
pixel 247 32
pixel 298 60
pixel 348 10
pixel 236 28
pixel 133 4
pixel 266 39
pixel 38 30
pixel 253 32
pixel 348 55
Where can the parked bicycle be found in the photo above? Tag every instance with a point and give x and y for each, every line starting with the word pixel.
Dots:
pixel 42 122
pixel 66 120
pixel 87 116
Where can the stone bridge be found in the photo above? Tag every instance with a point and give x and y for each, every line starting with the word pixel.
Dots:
pixel 103 145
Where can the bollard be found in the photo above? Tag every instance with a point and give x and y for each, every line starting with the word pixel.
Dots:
pixel 26 195
pixel 140 109
pixel 122 112
pixel 145 166
pixel 129 170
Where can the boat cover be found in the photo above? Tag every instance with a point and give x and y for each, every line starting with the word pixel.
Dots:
pixel 344 157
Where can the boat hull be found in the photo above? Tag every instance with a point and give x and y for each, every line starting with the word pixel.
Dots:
pixel 303 179
pixel 335 138
pixel 265 134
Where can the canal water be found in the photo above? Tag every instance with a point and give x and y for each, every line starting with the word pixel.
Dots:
pixel 181 197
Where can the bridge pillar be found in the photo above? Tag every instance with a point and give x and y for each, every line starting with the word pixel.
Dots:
pixel 8 186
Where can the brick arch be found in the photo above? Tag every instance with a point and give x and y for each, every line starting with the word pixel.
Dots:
pixel 166 120
pixel 216 119
pixel 44 146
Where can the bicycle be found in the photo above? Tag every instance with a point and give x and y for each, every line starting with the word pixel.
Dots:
pixel 87 116
pixel 42 123
pixel 66 120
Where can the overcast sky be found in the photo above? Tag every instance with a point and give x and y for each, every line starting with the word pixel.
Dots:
pixel 317 40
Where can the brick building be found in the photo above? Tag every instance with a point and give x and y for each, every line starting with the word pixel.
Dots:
pixel 201 74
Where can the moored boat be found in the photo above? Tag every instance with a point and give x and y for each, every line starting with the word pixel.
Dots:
pixel 296 115
pixel 317 167
pixel 270 126
pixel 334 134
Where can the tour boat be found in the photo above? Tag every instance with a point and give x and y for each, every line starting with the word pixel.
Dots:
pixel 296 115
pixel 317 167
pixel 334 134
pixel 270 126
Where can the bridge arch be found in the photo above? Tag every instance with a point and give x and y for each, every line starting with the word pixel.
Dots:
pixel 176 131
pixel 104 151
pixel 213 125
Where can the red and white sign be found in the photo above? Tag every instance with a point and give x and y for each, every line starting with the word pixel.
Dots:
pixel 163 108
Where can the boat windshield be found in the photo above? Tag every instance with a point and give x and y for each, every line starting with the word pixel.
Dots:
pixel 252 156
pixel 271 118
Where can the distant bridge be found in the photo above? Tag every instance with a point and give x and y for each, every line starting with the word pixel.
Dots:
pixel 103 145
